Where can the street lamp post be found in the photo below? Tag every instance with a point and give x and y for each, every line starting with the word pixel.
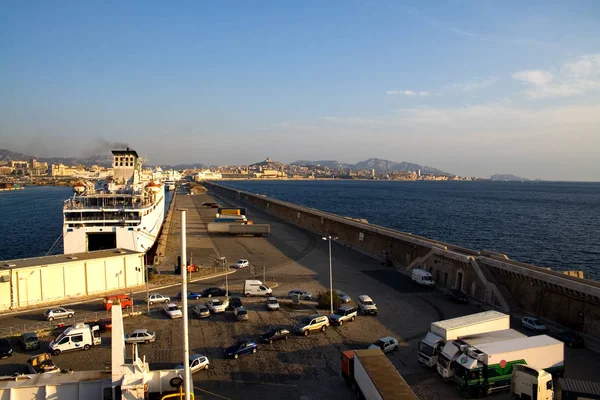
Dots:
pixel 329 238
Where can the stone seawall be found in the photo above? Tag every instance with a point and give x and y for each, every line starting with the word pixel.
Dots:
pixel 490 277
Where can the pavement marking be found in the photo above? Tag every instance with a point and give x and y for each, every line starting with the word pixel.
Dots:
pixel 211 393
pixel 265 383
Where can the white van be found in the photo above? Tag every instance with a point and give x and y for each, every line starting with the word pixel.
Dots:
pixel 253 287
pixel 78 337
pixel 422 277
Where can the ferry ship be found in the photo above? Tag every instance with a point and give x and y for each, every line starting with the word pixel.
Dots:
pixel 125 211
pixel 207 175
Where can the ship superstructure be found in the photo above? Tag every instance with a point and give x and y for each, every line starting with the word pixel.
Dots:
pixel 125 211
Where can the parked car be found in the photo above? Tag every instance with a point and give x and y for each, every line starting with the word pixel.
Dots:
pixel 386 344
pixel 29 341
pixel 366 305
pixel 158 298
pixel 201 311
pixel 140 336
pixel 5 348
pixel 234 302
pixel 302 294
pixel 240 314
pixel 316 322
pixel 241 263
pixel 274 334
pixel 457 296
pixel 272 304
pixel 197 362
pixel 343 314
pixel 58 312
pixel 105 324
pixel 571 339
pixel 172 311
pixel 190 296
pixel 217 306
pixel 241 347
pixel 533 324
pixel 343 296
pixel 214 291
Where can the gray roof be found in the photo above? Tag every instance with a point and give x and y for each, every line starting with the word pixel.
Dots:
pixel 581 387
pixel 63 258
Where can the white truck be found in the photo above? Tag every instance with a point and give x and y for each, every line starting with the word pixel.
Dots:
pixel 488 367
pixel 454 348
pixel 451 329
pixel 373 377
pixel 77 337
pixel 530 383
pixel 253 287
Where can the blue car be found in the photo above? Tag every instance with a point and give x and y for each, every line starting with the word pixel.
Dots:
pixel 241 347
pixel 190 296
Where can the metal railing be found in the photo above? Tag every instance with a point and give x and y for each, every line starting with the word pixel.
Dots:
pixel 49 326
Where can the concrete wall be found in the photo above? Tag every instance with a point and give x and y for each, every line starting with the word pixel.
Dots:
pixel 48 283
pixel 491 278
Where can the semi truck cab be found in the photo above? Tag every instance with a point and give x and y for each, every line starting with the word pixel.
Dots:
pixel 429 349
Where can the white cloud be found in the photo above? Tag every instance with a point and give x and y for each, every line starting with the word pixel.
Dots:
pixel 473 84
pixel 574 78
pixel 408 93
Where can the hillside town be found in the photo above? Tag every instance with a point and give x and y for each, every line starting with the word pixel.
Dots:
pixel 32 170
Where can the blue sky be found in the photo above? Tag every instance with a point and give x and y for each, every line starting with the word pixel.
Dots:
pixel 470 87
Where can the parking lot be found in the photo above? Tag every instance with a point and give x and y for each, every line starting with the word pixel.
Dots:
pixel 301 367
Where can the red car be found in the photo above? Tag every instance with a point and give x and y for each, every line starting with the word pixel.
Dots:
pixel 105 324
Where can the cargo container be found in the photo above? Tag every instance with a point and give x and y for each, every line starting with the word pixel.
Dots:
pixel 239 229
pixel 453 349
pixel 231 211
pixel 488 367
pixel 451 329
pixel 373 377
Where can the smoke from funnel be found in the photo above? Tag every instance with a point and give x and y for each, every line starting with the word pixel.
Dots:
pixel 102 147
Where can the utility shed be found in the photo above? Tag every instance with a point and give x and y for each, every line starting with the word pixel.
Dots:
pixel 572 389
pixel 39 280
pixel 388 381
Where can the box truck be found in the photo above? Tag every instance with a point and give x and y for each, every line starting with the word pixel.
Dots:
pixel 451 329
pixel 488 367
pixel 531 383
pixel 453 349
pixel 373 377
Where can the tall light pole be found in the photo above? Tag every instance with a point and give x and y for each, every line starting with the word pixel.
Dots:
pixel 330 238
pixel 184 306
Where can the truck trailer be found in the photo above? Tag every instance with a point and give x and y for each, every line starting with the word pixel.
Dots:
pixel 453 349
pixel 373 377
pixel 451 329
pixel 239 229
pixel 488 367
pixel 572 389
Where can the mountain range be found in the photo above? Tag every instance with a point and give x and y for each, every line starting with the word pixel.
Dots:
pixel 377 164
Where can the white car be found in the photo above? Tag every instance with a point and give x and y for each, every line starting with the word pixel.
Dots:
pixel 386 344
pixel 272 304
pixel 241 263
pixel 158 298
pixel 217 306
pixel 366 305
pixel 172 310
pixel 198 362
pixel 534 324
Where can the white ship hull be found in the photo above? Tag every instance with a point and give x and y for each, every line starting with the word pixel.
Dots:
pixel 140 237
pixel 126 211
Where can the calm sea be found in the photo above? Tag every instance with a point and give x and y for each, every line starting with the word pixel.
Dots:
pixel 554 225
pixel 31 221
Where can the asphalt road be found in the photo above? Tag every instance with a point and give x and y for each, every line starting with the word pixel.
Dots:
pixel 299 368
